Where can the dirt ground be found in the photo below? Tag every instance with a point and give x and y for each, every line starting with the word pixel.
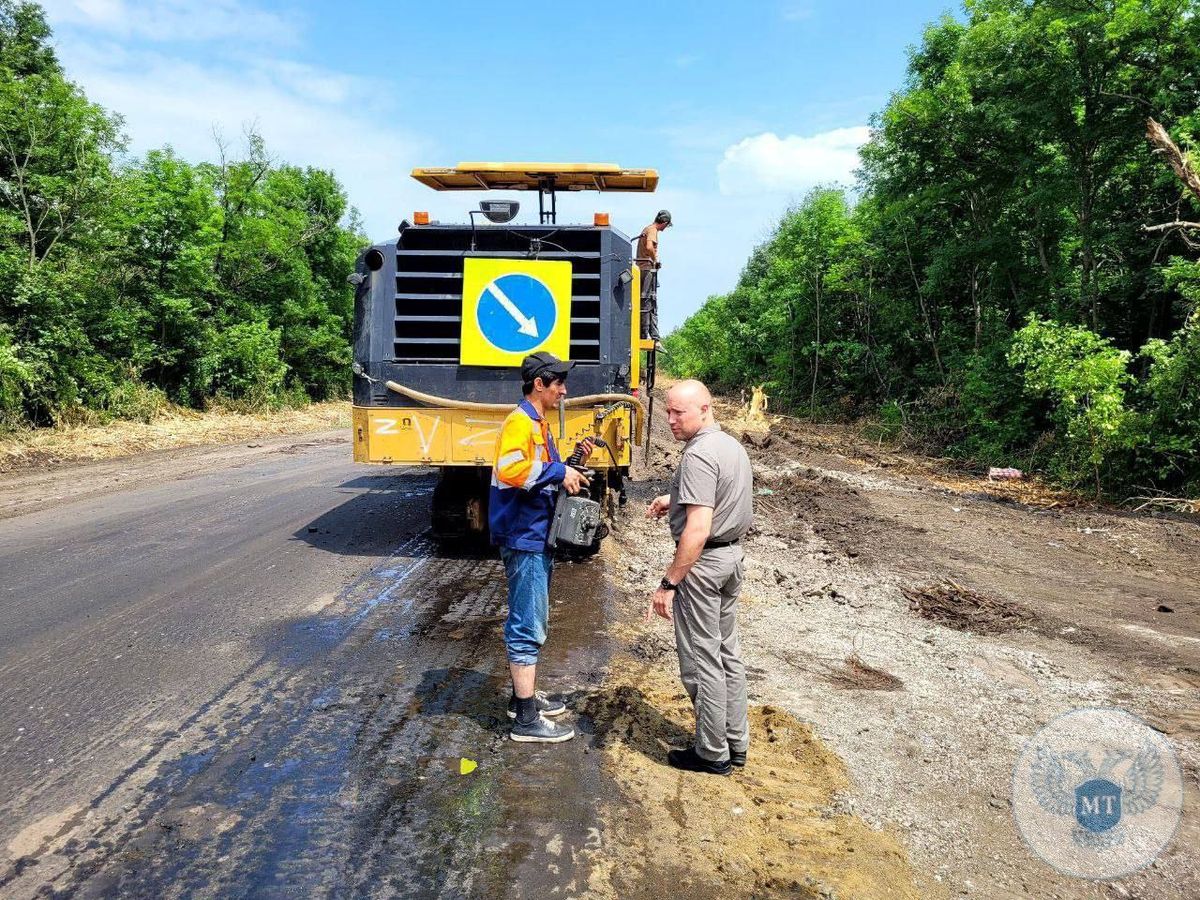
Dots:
pixel 906 629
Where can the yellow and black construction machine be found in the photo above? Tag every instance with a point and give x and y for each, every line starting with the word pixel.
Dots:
pixel 445 314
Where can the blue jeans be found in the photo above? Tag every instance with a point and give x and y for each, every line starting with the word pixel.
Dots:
pixel 528 603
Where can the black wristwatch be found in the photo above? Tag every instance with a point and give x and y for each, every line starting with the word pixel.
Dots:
pixel 665 584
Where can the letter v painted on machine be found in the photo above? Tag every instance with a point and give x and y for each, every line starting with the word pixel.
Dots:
pixel 514 307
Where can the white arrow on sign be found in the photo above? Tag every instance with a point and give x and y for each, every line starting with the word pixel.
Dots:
pixel 524 325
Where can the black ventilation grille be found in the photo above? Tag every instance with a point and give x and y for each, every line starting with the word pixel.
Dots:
pixel 429 281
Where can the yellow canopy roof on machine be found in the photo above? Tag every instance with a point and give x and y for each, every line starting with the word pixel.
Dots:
pixel 537 176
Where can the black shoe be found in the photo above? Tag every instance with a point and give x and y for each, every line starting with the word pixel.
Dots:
pixel 545 706
pixel 737 758
pixel 541 731
pixel 690 761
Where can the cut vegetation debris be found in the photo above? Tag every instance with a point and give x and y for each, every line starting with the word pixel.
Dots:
pixel 174 428
pixel 949 603
pixel 854 674
pixel 1171 504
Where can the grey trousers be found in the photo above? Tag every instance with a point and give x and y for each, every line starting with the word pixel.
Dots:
pixel 710 657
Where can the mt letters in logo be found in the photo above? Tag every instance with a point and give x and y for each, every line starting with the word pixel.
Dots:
pixel 1097 793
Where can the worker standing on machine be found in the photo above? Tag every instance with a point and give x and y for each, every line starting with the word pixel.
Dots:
pixel 525 485
pixel 647 261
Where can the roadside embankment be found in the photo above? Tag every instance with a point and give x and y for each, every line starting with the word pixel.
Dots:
pixel 177 427
pixel 906 630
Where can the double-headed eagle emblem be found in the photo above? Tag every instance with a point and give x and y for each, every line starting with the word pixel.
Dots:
pixel 1098 797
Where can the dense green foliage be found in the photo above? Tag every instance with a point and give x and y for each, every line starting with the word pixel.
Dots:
pixel 993 287
pixel 123 283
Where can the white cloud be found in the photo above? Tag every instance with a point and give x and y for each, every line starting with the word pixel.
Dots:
pixel 179 70
pixel 320 85
pixel 177 94
pixel 702 253
pixel 175 20
pixel 768 163
pixel 796 12
pixel 302 112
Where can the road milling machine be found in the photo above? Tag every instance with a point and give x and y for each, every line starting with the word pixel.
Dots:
pixel 445 314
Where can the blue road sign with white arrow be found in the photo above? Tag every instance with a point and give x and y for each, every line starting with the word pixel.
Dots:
pixel 516 312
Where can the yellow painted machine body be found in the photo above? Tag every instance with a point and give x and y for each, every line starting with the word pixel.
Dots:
pixel 435 436
pixel 420 323
pixel 442 436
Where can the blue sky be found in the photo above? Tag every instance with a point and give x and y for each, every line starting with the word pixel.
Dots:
pixel 742 107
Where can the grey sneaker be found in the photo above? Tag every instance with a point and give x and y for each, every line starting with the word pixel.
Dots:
pixel 541 731
pixel 738 758
pixel 545 706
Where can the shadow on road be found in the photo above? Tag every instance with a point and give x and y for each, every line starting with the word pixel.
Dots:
pixel 376 517
pixel 464 693
pixel 627 716
pixel 330 759
pixel 379 515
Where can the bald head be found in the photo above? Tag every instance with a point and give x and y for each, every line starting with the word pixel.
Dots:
pixel 689 409
pixel 691 391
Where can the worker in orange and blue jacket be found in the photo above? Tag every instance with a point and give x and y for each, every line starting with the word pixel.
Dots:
pixel 525 482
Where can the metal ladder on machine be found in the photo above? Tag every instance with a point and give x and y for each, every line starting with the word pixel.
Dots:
pixel 651 368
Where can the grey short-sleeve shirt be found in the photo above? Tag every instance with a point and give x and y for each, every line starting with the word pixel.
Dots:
pixel 714 471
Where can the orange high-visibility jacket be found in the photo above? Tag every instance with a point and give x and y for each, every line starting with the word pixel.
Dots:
pixel 525 480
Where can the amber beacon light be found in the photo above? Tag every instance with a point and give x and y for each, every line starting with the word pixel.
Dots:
pixel 420 218
pixel 600 219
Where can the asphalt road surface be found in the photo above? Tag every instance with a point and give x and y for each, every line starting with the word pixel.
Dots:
pixel 253 673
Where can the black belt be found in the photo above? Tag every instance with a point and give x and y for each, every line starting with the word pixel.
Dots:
pixel 717 545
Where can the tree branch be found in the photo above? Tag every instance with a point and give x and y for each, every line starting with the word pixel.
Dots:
pixel 1169 226
pixel 1180 164
pixel 23 194
pixel 937 357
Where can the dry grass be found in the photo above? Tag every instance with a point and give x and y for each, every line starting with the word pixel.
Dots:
pixel 175 427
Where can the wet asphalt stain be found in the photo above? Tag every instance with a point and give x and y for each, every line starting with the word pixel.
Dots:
pixel 332 767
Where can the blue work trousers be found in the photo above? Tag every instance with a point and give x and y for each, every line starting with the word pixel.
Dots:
pixel 528 603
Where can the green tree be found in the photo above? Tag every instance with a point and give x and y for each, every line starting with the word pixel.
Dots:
pixel 1085 378
pixel 126 281
pixel 25 40
pixel 55 177
pixel 1009 177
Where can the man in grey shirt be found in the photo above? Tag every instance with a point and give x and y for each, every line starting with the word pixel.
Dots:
pixel 710 508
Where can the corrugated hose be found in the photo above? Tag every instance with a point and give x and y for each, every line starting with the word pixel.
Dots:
pixel 570 403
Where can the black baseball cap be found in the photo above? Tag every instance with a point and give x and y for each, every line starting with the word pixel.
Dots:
pixel 543 363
